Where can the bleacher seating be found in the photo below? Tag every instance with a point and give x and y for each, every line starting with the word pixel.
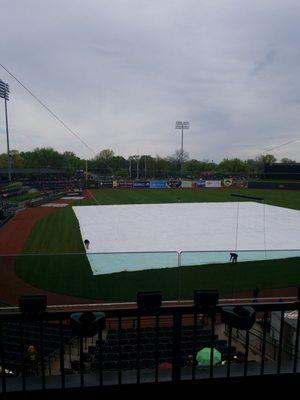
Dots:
pixel 120 349
pixel 12 344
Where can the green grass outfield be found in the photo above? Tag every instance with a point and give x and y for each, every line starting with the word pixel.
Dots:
pixel 282 198
pixel 59 233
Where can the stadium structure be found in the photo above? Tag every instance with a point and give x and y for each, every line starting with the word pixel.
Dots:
pixel 103 296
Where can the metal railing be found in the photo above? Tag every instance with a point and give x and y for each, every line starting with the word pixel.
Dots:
pixel 111 262
pixel 136 347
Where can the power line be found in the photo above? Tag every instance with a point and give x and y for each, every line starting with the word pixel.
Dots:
pixel 281 145
pixel 49 110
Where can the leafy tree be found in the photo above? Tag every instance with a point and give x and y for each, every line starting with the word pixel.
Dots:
pixel 105 155
pixel 286 160
pixel 71 162
pixel 232 166
pixel 266 159
pixel 17 160
pixel 45 157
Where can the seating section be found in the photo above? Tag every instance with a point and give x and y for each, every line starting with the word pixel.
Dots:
pixel 54 184
pixel 12 345
pixel 120 350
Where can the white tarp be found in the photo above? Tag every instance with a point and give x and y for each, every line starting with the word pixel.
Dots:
pixel 187 227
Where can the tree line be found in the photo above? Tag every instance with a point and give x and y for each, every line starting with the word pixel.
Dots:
pixel 107 163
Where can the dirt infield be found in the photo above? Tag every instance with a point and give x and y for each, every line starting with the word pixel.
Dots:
pixel 12 239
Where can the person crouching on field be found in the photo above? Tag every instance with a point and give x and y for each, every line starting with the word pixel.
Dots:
pixel 233 257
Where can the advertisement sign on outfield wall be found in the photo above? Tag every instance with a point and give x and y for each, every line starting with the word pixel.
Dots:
pixel 213 184
pixel 141 185
pixel 173 184
pixel 158 184
pixel 105 184
pixel 200 183
pixel 227 182
pixel 125 184
pixel 187 184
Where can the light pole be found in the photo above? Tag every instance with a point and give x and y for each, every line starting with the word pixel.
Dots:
pixel 86 173
pixel 4 94
pixel 182 125
pixel 145 157
pixel 137 159
pixel 130 167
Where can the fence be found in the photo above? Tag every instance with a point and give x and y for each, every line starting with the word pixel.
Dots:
pixel 136 347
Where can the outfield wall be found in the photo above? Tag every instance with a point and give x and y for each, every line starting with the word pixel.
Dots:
pixel 274 185
pixel 171 184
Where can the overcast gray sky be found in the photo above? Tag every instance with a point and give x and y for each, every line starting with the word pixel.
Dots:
pixel 121 72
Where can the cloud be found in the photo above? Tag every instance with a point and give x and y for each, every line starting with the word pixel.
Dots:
pixel 121 73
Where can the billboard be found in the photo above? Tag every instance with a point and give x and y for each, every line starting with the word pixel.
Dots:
pixel 200 183
pixel 173 184
pixel 213 184
pixel 158 184
pixel 125 184
pixel 141 185
pixel 227 182
pixel 105 184
pixel 187 184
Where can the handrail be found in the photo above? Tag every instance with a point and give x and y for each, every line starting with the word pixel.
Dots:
pixel 163 311
pixel 150 252
pixel 224 300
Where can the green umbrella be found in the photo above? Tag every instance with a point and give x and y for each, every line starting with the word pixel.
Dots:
pixel 203 357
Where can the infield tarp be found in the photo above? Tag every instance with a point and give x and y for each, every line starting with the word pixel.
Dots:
pixel 209 229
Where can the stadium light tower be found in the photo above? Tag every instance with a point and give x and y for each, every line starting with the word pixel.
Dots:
pixel 145 158
pixel 137 159
pixel 182 125
pixel 4 94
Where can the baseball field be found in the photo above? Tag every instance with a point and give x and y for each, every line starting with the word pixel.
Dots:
pixel 53 257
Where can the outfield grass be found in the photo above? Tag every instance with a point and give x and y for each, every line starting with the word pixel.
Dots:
pixel 58 233
pixel 282 198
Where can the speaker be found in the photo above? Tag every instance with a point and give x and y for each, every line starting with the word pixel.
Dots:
pixel 206 298
pixel 35 304
pixel 149 300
